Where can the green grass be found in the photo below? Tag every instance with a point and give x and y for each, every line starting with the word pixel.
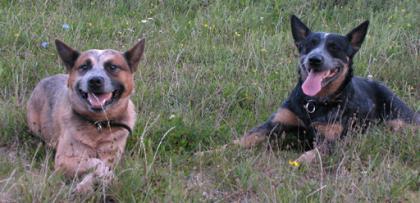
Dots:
pixel 212 70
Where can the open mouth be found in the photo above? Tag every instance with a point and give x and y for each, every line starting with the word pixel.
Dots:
pixel 98 101
pixel 315 81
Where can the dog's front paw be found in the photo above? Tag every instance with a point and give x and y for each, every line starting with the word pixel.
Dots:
pixel 85 186
pixel 306 158
pixel 104 173
pixel 250 140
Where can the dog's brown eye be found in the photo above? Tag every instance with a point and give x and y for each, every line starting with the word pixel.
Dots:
pixel 113 68
pixel 84 67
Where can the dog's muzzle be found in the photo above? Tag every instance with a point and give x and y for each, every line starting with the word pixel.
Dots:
pixel 97 96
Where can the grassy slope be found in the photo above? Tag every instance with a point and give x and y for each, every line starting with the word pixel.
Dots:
pixel 212 70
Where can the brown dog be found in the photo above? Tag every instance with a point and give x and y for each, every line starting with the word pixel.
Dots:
pixel 87 115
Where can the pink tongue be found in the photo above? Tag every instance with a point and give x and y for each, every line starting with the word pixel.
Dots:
pixel 312 84
pixel 98 100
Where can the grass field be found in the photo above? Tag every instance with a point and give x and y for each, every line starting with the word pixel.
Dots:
pixel 212 70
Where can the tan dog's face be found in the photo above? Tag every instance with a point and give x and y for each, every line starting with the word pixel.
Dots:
pixel 100 81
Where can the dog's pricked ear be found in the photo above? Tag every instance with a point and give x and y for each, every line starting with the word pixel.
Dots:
pixel 357 35
pixel 134 55
pixel 299 30
pixel 67 54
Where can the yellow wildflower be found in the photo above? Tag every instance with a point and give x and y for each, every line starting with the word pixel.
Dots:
pixel 294 163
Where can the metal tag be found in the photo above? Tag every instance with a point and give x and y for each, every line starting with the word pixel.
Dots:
pixel 309 106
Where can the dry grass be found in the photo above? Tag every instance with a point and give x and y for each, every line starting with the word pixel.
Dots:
pixel 212 70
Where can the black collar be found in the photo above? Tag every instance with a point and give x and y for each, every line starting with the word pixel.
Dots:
pixel 104 124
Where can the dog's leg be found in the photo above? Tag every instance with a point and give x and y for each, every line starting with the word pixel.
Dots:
pixel 399 124
pixel 396 113
pixel 396 124
pixel 86 185
pixel 329 133
pixel 275 125
pixel 74 165
pixel 102 174
pixel 93 171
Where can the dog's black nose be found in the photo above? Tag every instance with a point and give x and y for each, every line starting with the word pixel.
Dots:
pixel 316 60
pixel 96 82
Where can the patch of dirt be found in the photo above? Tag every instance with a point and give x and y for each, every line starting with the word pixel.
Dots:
pixel 198 181
pixel 202 183
pixel 5 197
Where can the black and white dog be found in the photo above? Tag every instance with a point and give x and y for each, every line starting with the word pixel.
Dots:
pixel 328 100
